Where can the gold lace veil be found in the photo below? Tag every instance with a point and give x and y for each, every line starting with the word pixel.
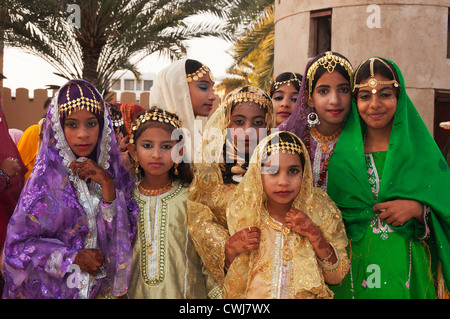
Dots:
pixel 208 195
pixel 245 209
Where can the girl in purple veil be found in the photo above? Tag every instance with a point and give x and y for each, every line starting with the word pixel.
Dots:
pixel 71 233
pixel 323 104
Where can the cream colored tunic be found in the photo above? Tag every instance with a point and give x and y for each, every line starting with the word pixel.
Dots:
pixel 165 263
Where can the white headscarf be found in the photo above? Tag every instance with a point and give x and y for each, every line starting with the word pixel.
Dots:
pixel 170 92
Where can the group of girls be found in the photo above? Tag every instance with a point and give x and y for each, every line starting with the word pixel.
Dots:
pixel 328 186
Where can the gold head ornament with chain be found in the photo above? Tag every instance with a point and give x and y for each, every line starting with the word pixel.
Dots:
pixel 276 85
pixel 156 115
pixel 373 82
pixel 201 72
pixel 79 97
pixel 282 146
pixel 329 62
pixel 252 95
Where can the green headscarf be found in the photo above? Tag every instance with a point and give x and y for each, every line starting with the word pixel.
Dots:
pixel 414 169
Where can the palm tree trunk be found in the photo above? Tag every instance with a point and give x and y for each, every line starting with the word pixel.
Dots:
pixel 91 56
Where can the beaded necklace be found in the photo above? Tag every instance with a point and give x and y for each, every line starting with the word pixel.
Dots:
pixel 326 144
pixel 155 192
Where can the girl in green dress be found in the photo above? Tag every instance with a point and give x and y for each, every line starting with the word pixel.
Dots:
pixel 391 183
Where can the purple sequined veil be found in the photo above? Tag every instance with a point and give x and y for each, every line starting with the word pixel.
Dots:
pixel 58 214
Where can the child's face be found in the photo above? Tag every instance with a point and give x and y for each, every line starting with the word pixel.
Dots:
pixel 281 176
pixel 246 122
pixel 332 100
pixel 283 100
pixel 154 151
pixel 82 129
pixel 377 110
pixel 202 95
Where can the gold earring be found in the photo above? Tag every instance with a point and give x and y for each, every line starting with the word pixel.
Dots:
pixel 175 172
pixel 136 167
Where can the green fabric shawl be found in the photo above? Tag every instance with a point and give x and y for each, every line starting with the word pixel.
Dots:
pixel 414 169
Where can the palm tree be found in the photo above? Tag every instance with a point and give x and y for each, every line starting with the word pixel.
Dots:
pixel 253 51
pixel 110 33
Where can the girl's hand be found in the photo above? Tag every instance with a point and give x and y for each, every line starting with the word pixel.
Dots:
pixel 299 222
pixel 399 211
pixel 10 166
pixel 89 260
pixel 87 168
pixel 246 239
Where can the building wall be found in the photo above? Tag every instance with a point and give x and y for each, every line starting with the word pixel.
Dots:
pixel 23 110
pixel 413 34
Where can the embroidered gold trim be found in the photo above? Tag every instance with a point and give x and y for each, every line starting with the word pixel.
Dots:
pixel 162 238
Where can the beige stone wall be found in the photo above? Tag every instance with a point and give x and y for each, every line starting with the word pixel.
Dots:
pixel 413 34
pixel 24 109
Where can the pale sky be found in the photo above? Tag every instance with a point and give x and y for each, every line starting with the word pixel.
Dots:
pixel 24 70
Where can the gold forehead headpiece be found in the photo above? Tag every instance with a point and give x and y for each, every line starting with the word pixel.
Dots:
pixel 289 147
pixel 254 95
pixel 155 115
pixel 329 62
pixel 197 75
pixel 373 82
pixel 288 82
pixel 80 103
pixel 263 101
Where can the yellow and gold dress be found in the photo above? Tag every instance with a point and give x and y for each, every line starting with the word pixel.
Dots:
pixel 209 192
pixel 285 266
pixel 165 263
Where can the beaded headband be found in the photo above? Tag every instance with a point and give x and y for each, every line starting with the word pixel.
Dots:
pixel 80 103
pixel 254 95
pixel 276 85
pixel 156 115
pixel 263 101
pixel 373 82
pixel 329 61
pixel 291 148
pixel 199 74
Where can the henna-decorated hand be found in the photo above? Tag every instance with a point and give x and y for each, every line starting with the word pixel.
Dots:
pixel 246 239
pixel 87 168
pixel 90 260
pixel 299 222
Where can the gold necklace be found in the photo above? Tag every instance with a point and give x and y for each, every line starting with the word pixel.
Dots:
pixel 287 252
pixel 155 192
pixel 325 141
